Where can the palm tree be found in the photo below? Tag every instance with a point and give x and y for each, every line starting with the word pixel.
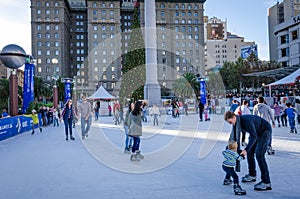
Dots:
pixel 194 82
pixel 186 86
pixel 41 88
pixel 61 89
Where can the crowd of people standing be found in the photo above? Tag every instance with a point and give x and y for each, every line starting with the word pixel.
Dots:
pixel 258 123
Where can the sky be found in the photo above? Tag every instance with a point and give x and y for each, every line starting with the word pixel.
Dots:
pixel 246 18
pixel 15 24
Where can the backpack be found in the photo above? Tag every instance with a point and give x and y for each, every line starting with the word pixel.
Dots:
pixel 240 111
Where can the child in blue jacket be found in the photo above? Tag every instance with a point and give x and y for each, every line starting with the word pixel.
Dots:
pixel 291 113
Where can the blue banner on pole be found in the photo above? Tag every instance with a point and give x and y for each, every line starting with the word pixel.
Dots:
pixel 67 90
pixel 202 92
pixel 28 86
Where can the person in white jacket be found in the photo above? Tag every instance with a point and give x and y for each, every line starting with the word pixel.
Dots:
pixel 155 112
pixel 264 111
pixel 243 110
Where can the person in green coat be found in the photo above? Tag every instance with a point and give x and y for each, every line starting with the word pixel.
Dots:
pixel 35 120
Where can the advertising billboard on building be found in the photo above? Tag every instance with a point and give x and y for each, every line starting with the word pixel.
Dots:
pixel 247 50
pixel 215 31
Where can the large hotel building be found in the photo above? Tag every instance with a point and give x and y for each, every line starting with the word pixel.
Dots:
pixel 86 39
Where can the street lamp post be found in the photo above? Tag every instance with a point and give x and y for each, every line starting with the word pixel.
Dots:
pixel 13 56
pixel 263 89
pixel 55 89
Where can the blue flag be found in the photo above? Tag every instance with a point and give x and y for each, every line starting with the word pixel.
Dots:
pixel 67 90
pixel 28 86
pixel 202 92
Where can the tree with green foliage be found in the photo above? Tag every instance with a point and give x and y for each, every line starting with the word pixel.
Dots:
pixel 215 85
pixel 229 73
pixel 186 86
pixel 4 97
pixel 41 88
pixel 232 73
pixel 61 89
pixel 4 89
pixel 134 69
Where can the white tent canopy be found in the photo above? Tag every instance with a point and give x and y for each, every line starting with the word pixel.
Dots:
pixel 101 93
pixel 290 79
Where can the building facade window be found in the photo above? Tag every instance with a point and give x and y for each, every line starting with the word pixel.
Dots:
pixel 294 34
pixel 284 39
pixel 284 52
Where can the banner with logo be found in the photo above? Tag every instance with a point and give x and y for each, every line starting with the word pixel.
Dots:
pixel 202 92
pixel 28 89
pixel 247 50
pixel 67 90
pixel 12 126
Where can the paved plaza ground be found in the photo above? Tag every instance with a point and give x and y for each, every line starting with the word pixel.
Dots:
pixel 182 160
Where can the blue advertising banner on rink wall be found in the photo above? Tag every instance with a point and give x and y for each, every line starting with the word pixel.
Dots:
pixel 12 126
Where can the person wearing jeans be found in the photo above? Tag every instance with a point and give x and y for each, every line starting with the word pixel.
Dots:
pixel 86 116
pixel 291 113
pixel 128 139
pixel 155 112
pixel 68 116
pixel 260 132
pixel 135 131
pixel 97 108
pixel 230 158
pixel 264 111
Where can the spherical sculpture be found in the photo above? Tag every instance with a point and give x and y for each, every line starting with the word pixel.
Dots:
pixel 13 56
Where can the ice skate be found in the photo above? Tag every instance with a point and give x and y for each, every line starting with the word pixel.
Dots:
pixel 227 182
pixel 139 155
pixel 248 178
pixel 262 186
pixel 270 151
pixel 126 151
pixel 133 158
pixel 238 190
